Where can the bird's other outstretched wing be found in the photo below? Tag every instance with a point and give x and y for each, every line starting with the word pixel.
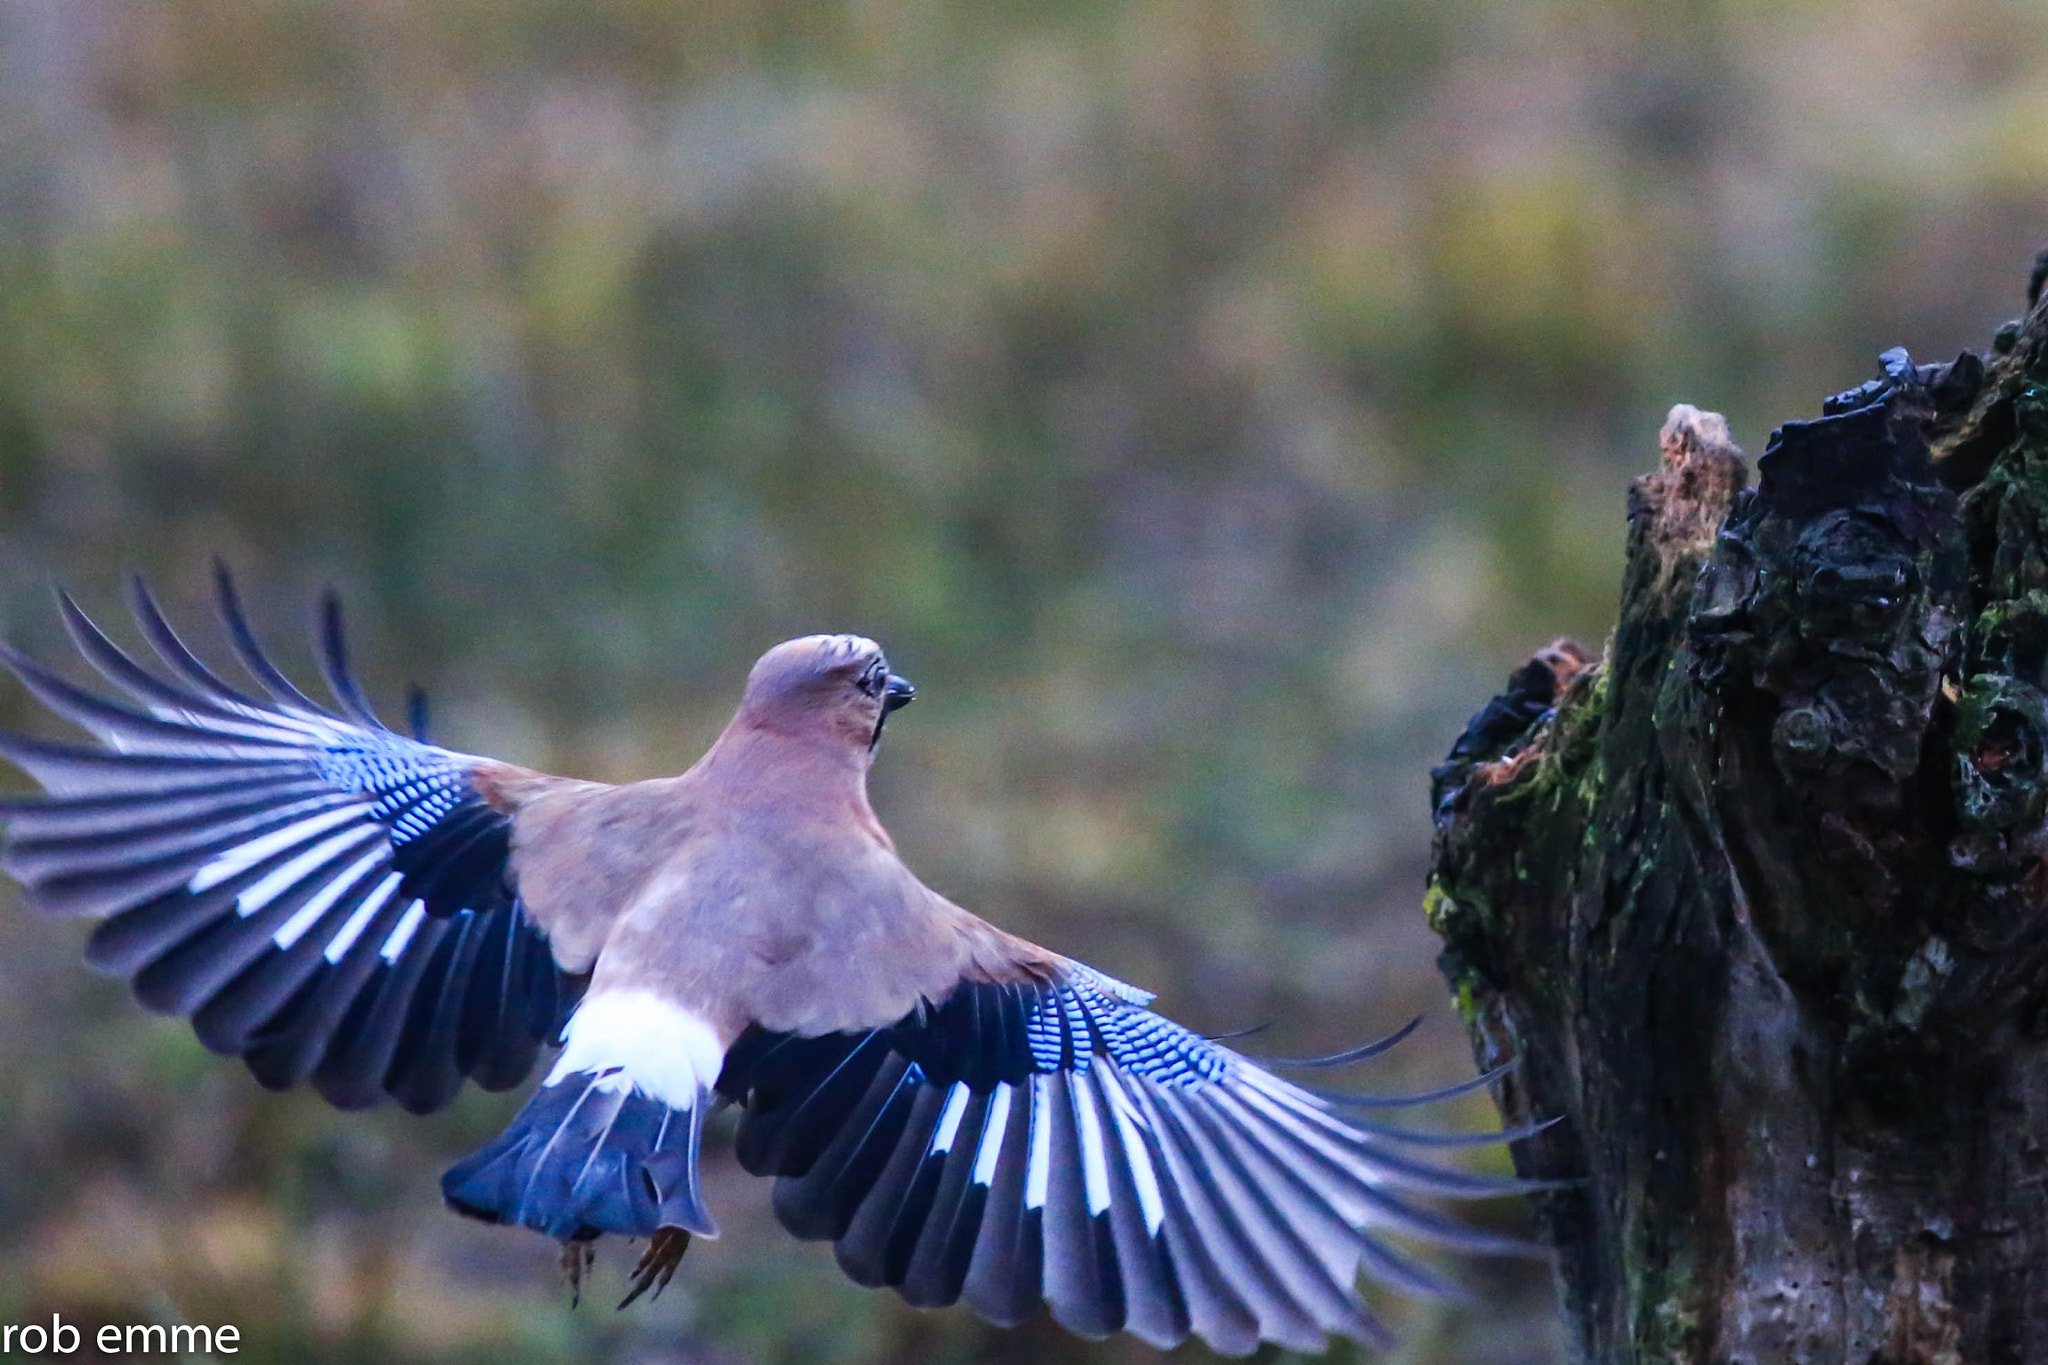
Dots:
pixel 324 897
pixel 1055 1139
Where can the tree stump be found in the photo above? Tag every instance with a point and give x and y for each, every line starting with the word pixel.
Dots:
pixel 1758 901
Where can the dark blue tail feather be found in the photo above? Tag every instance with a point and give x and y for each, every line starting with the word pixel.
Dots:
pixel 586 1156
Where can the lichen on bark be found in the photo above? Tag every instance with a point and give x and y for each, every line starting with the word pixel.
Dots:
pixel 1758 900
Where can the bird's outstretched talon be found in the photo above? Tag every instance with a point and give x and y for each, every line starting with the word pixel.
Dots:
pixel 658 1263
pixel 578 1255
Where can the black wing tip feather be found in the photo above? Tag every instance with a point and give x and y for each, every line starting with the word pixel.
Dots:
pixel 174 652
pixel 1414 1137
pixel 227 596
pixel 14 743
pixel 1232 1035
pixel 201 694
pixel 85 708
pixel 242 638
pixel 1347 1057
pixel 89 639
pixel 334 661
pixel 17 661
pixel 68 609
pixel 418 714
pixel 111 661
pixel 1349 1099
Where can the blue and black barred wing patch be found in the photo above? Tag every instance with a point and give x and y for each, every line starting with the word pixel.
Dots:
pixel 1057 1141
pixel 324 897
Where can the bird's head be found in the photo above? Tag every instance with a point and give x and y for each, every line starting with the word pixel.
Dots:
pixel 831 686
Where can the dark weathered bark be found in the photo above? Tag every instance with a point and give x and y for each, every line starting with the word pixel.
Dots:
pixel 1760 898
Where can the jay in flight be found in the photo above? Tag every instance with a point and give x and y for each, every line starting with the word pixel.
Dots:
pixel 965 1115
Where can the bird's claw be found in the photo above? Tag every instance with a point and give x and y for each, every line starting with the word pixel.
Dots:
pixel 658 1263
pixel 577 1258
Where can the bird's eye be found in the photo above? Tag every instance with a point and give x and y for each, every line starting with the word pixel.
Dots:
pixel 874 678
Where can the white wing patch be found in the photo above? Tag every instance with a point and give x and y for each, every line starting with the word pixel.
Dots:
pixel 1038 1171
pixel 1094 1161
pixel 282 878
pixel 408 925
pixel 949 1121
pixel 991 1148
pixel 338 946
pixel 1137 1155
pixel 242 857
pixel 308 915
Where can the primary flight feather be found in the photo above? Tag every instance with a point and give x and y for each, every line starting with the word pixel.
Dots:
pixel 965 1115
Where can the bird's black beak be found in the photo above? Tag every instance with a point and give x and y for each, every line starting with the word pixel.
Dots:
pixel 897 693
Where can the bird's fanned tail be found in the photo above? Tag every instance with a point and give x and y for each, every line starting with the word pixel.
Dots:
pixel 610 1141
pixel 588 1155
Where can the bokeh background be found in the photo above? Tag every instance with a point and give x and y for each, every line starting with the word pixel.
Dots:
pixel 1206 401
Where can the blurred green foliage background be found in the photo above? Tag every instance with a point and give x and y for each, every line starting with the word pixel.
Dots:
pixel 1206 402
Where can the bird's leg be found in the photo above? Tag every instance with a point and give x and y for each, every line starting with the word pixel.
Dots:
pixel 658 1263
pixel 578 1255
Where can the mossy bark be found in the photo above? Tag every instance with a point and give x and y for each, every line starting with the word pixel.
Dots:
pixel 1759 900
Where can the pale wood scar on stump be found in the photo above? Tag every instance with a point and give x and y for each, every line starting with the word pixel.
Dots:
pixel 1759 898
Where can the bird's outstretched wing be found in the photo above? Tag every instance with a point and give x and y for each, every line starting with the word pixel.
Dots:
pixel 1054 1139
pixel 324 897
